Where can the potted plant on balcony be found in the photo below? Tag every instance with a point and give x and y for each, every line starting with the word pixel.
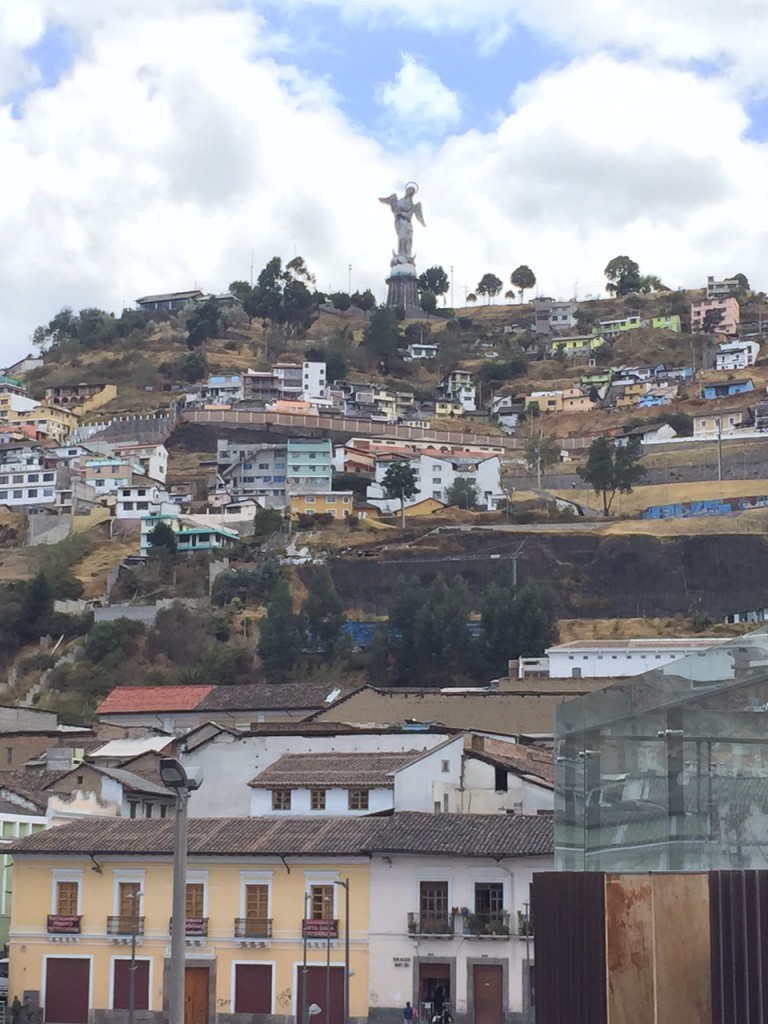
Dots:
pixel 473 924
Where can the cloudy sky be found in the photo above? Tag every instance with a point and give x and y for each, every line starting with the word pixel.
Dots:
pixel 155 145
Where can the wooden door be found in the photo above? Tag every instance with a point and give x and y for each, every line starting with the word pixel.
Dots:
pixel 196 995
pixel 319 984
pixel 253 988
pixel 67 983
pixel 488 1001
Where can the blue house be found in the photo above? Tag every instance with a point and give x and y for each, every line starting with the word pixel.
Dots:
pixel 728 388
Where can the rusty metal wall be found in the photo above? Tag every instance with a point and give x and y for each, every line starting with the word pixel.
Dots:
pixel 569 947
pixel 738 915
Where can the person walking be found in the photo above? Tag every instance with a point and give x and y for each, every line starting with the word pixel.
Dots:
pixel 409 1014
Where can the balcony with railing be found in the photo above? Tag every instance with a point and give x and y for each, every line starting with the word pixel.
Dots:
pixel 492 924
pixel 125 924
pixel 194 927
pixel 253 927
pixel 64 924
pixel 430 924
pixel 319 928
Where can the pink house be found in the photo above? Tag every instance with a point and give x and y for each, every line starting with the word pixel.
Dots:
pixel 729 322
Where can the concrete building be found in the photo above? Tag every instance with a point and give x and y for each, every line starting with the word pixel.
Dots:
pixel 309 465
pixel 26 478
pixel 421 350
pixel 737 355
pixel 601 659
pixel 168 300
pixel 722 289
pixel 553 317
pixel 224 387
pixel 190 537
pixel 722 423
pixel 253 470
pixel 338 504
pixel 435 475
pixel 141 498
pixel 729 315
pixel 459 386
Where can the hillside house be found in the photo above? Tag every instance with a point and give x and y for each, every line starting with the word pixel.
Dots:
pixel 722 289
pixel 574 400
pixel 459 386
pixel 309 465
pixel 728 308
pixel 612 328
pixel 666 323
pixel 141 498
pixel 81 397
pixel 26 478
pixel 421 350
pixel 435 475
pixel 338 504
pixel 189 536
pixel 252 470
pixel 720 424
pixel 544 401
pixel 168 300
pixel 581 345
pixel 596 659
pixel 651 432
pixel 224 387
pixel 737 355
pixel 553 317
pixel 727 388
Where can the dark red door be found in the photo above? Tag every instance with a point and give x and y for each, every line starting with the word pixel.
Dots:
pixel 487 984
pixel 67 982
pixel 317 980
pixel 253 988
pixel 122 985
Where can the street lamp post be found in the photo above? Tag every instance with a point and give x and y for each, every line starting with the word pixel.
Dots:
pixel 136 898
pixel 345 886
pixel 304 1008
pixel 182 782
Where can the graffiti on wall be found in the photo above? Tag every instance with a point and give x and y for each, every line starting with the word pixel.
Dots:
pixel 706 507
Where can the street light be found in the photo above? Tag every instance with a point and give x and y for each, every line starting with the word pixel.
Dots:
pixel 136 900
pixel 345 886
pixel 182 782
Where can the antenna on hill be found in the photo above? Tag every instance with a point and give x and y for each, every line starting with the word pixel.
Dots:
pixel 252 254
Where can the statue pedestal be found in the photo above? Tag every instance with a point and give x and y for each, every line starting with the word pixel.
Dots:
pixel 403 288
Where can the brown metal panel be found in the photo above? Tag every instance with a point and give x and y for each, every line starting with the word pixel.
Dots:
pixel 569 947
pixel 629 948
pixel 681 949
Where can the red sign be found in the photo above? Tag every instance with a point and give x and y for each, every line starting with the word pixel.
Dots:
pixel 64 924
pixel 318 928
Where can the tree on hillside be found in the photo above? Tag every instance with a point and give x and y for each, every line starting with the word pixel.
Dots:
pixel 266 521
pixel 195 366
pixel 400 482
pixel 542 451
pixel 713 318
pixel 509 295
pixel 341 301
pixel 435 280
pixel 283 295
pixel 523 278
pixel 609 469
pixel 489 285
pixel 382 336
pixel 202 323
pixel 463 494
pixel 651 283
pixel 623 276
pixel 428 302
pixel 36 606
pixel 364 300
pixel 281 639
pixel 472 298
pixel 323 613
pixel 743 283
pixel 162 540
pixel 516 622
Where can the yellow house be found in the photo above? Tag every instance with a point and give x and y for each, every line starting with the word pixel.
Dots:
pixel 57 423
pixel 446 407
pixel 547 401
pixel 338 504
pixel 261 896
pixel 574 400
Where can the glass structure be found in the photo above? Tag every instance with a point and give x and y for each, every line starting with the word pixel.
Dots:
pixel 668 771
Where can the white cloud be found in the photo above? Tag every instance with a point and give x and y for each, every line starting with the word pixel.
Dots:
pixel 731 35
pixel 417 99
pixel 170 151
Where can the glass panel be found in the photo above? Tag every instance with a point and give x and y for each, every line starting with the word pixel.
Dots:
pixel 668 770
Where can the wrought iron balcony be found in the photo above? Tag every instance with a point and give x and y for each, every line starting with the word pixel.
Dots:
pixel 253 927
pixel 430 924
pixel 491 924
pixel 193 926
pixel 319 928
pixel 125 925
pixel 64 924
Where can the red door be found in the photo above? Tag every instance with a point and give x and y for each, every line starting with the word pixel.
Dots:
pixel 67 983
pixel 121 987
pixel 317 980
pixel 487 984
pixel 253 988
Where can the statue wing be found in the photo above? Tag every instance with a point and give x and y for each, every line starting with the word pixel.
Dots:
pixel 390 200
pixel 418 214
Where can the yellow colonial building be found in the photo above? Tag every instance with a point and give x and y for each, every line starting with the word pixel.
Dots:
pixel 258 892
pixel 338 504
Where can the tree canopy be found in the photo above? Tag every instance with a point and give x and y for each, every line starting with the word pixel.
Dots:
pixel 400 482
pixel 623 276
pixel 435 280
pixel 283 295
pixel 489 285
pixel 610 468
pixel 523 278
pixel 382 336
pixel 463 493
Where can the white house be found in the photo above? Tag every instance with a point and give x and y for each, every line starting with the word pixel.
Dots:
pixel 721 424
pixel 436 474
pixel 421 350
pixel 152 458
pixel 225 387
pixel 26 479
pixel 737 355
pixel 459 386
pixel 144 497
pixel 452 921
pixel 596 659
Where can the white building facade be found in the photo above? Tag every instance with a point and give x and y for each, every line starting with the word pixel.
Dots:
pixel 435 476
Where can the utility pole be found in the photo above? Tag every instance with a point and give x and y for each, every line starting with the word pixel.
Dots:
pixel 719 449
pixel 451 287
pixel 349 279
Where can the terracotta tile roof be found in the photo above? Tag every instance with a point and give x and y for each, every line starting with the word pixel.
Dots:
pixel 334 769
pixel 31 785
pixel 153 698
pixel 467 835
pixel 517 758
pixel 266 697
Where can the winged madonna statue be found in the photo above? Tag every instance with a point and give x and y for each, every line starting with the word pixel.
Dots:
pixel 404 210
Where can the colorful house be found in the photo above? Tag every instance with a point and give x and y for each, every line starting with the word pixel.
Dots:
pixel 576 346
pixel 727 388
pixel 667 323
pixel 338 504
